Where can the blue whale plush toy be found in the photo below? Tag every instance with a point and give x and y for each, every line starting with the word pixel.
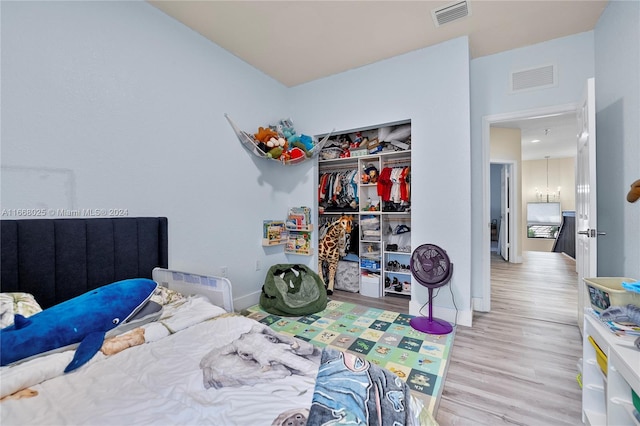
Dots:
pixel 82 321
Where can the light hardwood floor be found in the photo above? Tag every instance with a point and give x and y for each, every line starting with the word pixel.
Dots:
pixel 517 364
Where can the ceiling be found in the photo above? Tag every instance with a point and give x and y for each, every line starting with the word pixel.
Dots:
pixel 556 135
pixel 295 42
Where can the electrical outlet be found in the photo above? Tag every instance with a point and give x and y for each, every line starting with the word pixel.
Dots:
pixel 258 266
pixel 224 271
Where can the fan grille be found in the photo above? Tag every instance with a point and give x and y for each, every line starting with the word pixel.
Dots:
pixel 430 265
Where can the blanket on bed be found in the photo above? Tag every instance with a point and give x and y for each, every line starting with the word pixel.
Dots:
pixel 199 365
pixel 351 390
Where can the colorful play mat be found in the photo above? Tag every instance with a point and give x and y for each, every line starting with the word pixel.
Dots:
pixel 382 337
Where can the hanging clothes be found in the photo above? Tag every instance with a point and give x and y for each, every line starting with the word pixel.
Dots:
pixel 394 188
pixel 338 190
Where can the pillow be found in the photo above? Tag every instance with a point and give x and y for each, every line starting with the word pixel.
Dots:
pixel 163 295
pixel 16 303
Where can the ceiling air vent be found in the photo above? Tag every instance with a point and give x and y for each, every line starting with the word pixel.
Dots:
pixel 451 12
pixel 534 78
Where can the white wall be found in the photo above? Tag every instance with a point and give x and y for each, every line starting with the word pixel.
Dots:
pixel 127 104
pixel 130 103
pixel 617 54
pixel 574 57
pixel 430 87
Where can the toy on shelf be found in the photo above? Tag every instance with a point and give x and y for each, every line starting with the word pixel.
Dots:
pixel 370 174
pixel 279 142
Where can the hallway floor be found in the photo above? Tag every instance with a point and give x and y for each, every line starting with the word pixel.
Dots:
pixel 517 365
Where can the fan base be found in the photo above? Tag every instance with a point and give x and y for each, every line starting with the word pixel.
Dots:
pixel 431 325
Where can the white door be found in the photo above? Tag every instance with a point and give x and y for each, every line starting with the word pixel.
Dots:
pixel 586 214
pixel 504 235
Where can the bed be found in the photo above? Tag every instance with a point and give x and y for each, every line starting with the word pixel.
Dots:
pixel 199 362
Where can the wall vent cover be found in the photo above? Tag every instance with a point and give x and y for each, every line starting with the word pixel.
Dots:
pixel 451 12
pixel 534 78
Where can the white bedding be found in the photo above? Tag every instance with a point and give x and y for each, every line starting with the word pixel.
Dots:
pixel 159 382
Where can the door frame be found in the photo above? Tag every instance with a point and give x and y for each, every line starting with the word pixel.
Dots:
pixel 484 304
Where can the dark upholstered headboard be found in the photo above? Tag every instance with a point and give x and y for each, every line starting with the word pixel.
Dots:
pixel 58 259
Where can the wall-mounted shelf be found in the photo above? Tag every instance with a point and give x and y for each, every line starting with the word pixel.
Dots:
pixel 274 233
pixel 294 233
pixel 299 229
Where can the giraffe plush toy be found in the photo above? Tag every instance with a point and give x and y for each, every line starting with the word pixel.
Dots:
pixel 331 247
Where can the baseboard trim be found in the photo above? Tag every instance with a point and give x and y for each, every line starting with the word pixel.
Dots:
pixel 478 304
pixel 246 301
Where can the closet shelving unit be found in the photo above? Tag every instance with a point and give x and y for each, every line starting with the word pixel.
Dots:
pixel 373 216
pixel 397 270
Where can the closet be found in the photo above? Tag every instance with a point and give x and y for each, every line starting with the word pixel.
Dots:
pixel 367 173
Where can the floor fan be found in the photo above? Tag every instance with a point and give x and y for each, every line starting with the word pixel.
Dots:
pixel 430 266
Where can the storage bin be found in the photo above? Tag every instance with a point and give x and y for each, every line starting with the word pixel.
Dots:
pixel 608 291
pixel 601 358
pixel 330 153
pixel 359 152
pixel 369 264
pixel 347 276
pixel 370 286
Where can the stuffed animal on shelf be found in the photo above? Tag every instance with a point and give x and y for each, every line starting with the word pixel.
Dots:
pixel 278 142
pixel 262 138
pixel 289 133
pixel 307 141
pixel 296 153
pixel 276 147
pixel 370 174
pixel 281 142
pixel 265 134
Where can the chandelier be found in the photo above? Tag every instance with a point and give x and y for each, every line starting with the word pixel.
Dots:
pixel 547 196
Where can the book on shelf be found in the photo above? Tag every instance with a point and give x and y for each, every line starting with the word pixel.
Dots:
pixel 618 328
pixel 299 243
pixel 274 231
pixel 299 218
